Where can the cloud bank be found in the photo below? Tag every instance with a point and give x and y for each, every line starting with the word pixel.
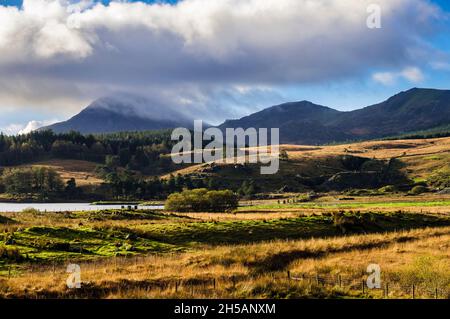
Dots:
pixel 212 56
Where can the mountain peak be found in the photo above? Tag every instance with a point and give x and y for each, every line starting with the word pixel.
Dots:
pixel 123 112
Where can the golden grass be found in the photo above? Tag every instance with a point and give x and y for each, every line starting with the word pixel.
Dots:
pixel 82 171
pixel 247 271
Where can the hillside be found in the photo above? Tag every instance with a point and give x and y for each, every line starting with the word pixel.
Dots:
pixel 309 168
pixel 82 171
pixel 302 122
pixel 308 123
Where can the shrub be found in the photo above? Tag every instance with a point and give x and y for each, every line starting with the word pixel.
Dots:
pixel 387 189
pixel 417 190
pixel 31 211
pixel 440 178
pixel 427 270
pixel 202 200
pixel 362 192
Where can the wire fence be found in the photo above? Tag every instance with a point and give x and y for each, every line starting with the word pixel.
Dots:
pixel 386 289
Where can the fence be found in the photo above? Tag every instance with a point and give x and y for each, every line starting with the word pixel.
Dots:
pixel 387 288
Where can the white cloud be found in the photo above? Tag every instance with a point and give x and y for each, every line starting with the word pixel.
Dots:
pixel 60 53
pixel 34 125
pixel 411 74
pixel 16 128
pixel 386 78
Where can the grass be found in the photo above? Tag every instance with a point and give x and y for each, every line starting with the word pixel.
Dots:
pixel 256 270
pixel 82 171
pixel 234 232
pixel 43 244
pixel 153 254
pixel 317 205
pixel 93 236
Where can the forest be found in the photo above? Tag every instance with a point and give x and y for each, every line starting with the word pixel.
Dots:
pixel 139 151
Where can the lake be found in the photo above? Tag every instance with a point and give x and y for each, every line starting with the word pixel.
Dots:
pixel 62 207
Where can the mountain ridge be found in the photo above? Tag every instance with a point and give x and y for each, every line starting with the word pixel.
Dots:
pixel 408 111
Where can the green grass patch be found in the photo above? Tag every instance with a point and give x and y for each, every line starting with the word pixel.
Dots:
pixel 61 243
pixel 120 214
pixel 237 232
pixel 316 205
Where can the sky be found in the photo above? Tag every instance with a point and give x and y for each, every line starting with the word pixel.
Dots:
pixel 214 60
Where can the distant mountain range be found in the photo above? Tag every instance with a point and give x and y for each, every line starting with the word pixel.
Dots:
pixel 299 122
pixel 308 123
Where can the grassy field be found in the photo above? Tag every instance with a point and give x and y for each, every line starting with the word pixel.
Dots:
pixel 257 270
pixel 315 205
pixel 82 171
pixel 146 254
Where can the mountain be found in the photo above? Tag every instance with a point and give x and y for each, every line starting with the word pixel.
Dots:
pixel 122 113
pixel 308 123
pixel 298 121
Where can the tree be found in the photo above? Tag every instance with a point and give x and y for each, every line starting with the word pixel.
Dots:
pixel 71 188
pixel 202 200
pixel 112 161
pixel 40 180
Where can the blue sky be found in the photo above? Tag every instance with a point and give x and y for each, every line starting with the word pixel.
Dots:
pixel 217 68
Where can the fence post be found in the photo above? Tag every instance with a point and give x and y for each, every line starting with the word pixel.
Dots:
pixel 176 286
pixel 436 294
pixel 340 281
pixel 387 290
pixel 289 275
pixel 363 287
pixel 413 291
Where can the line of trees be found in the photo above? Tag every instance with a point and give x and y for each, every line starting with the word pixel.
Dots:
pixel 41 181
pixel 202 200
pixel 126 184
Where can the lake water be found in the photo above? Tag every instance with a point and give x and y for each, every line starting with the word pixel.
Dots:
pixel 62 207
